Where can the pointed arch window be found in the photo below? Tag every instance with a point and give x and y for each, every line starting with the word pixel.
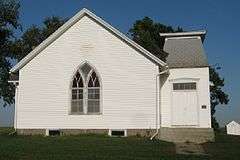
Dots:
pixel 93 93
pixel 85 91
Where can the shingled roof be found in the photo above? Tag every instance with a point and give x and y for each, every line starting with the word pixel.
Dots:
pixel 185 49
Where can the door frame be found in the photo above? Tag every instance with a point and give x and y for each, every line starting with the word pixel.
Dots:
pixel 184 80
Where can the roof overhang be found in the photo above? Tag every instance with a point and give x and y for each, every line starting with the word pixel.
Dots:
pixel 201 34
pixel 71 22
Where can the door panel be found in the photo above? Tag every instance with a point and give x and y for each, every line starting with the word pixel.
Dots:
pixel 184 108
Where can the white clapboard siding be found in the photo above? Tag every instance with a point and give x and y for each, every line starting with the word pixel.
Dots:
pixel 127 78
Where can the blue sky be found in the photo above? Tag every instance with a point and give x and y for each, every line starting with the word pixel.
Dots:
pixel 220 19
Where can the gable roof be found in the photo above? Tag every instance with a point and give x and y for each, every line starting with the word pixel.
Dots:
pixel 185 49
pixel 71 22
pixel 233 122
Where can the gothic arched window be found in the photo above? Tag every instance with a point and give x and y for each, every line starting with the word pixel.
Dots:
pixel 85 91
pixel 93 93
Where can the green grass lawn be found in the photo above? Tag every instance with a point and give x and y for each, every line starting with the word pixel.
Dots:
pixel 225 147
pixel 102 147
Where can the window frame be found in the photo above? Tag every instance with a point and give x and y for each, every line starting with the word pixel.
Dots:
pixel 85 91
pixel 184 86
pixel 86 87
pixel 77 113
pixel 184 80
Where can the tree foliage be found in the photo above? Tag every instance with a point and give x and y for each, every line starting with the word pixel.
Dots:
pixel 146 33
pixel 218 96
pixel 15 49
pixel 9 15
pixel 34 35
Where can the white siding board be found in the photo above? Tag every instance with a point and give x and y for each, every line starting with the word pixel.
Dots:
pixel 128 82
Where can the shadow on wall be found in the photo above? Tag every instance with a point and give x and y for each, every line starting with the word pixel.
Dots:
pixel 6 115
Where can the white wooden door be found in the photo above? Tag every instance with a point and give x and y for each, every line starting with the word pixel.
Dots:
pixel 184 108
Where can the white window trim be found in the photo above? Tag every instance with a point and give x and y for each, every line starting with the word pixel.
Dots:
pixel 85 91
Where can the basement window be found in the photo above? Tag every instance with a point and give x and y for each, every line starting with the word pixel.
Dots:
pixel 118 133
pixel 53 132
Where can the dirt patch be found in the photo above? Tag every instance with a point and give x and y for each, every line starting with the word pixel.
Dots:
pixel 189 149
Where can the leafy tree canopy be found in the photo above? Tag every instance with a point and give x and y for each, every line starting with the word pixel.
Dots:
pixel 34 35
pixel 9 14
pixel 218 96
pixel 146 33
pixel 15 49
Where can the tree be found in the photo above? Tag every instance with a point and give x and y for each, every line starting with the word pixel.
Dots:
pixel 217 95
pixel 146 33
pixel 12 49
pixel 9 15
pixel 34 35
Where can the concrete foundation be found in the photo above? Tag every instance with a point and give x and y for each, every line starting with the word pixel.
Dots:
pixel 62 131
pixel 181 135
pixel 130 132
pixel 83 131
pixel 140 132
pixel 31 131
pixel 196 135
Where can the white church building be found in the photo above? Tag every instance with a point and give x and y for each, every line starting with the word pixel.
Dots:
pixel 88 77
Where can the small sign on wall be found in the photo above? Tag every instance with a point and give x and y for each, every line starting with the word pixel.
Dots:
pixel 204 107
